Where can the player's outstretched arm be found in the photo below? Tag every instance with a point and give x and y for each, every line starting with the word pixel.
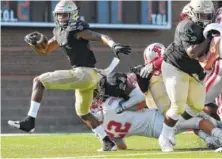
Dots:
pixel 40 43
pixel 105 39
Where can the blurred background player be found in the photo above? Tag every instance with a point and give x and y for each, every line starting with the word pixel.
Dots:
pixel 73 36
pixel 153 57
pixel 213 79
pixel 150 79
pixel 182 74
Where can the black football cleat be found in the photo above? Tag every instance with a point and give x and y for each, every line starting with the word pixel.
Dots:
pixel 108 145
pixel 27 124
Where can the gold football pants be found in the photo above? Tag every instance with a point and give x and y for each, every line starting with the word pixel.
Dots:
pixel 81 79
pixel 182 89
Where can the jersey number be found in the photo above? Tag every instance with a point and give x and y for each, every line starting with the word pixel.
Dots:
pixel 119 128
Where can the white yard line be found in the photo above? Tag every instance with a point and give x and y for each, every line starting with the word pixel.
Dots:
pixel 44 134
pixel 49 134
pixel 125 155
pixel 141 154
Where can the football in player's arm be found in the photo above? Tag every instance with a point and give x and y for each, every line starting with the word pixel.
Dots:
pixel 73 36
pixel 82 32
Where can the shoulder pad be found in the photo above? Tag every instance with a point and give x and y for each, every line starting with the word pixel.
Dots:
pixel 78 26
pixel 186 24
pixel 190 31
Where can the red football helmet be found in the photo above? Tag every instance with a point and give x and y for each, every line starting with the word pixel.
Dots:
pixel 153 52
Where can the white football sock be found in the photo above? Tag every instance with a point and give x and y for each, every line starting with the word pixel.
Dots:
pixel 99 130
pixel 167 131
pixel 33 110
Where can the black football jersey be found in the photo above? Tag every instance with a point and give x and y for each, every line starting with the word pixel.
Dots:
pixel 77 50
pixel 187 33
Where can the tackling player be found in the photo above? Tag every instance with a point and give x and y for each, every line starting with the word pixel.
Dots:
pixel 124 86
pixel 144 122
pixel 73 36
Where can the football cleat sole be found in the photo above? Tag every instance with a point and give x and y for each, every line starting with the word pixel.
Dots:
pixel 15 124
pixel 114 148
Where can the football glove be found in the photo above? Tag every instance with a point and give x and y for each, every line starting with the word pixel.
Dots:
pixel 119 109
pixel 121 49
pixel 146 70
pixel 136 69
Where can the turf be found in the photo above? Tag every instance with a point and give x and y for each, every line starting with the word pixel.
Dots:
pixel 85 146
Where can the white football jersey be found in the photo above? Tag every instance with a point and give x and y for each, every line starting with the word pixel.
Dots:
pixel 146 122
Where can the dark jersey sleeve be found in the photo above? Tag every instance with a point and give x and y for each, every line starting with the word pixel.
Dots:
pixel 79 26
pixel 189 33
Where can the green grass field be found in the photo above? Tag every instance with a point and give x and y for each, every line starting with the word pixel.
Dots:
pixel 85 146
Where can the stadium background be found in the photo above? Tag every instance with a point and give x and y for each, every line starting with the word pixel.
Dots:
pixel 20 65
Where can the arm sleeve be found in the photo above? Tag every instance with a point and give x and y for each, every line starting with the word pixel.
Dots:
pixel 135 97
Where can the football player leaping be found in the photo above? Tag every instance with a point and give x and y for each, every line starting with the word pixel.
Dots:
pixel 73 36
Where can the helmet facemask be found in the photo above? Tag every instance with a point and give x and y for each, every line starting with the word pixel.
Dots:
pixel 202 19
pixel 62 19
pixel 201 12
